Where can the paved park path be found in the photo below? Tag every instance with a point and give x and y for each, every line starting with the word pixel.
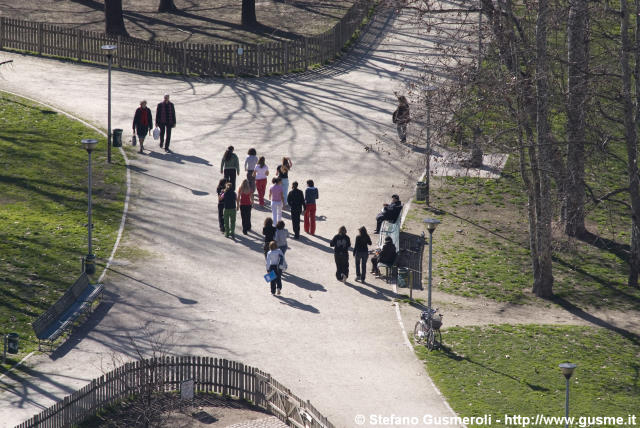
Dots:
pixel 338 345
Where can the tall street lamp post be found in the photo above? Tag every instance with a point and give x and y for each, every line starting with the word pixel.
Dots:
pixel 432 223
pixel 428 91
pixel 108 49
pixel 89 261
pixel 567 371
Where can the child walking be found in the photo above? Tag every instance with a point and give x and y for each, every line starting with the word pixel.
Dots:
pixel 275 258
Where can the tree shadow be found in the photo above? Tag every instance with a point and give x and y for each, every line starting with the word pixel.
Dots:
pixel 622 251
pixel 143 171
pixel 582 314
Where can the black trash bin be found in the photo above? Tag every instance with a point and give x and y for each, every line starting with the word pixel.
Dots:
pixel 117 138
pixel 12 343
pixel 90 264
pixel 421 191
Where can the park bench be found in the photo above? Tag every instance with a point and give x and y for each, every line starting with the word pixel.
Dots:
pixel 391 229
pixel 76 301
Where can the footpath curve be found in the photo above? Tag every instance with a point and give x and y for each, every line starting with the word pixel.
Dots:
pixel 177 279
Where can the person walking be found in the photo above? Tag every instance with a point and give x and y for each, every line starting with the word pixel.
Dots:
pixel 244 205
pixel 229 198
pixel 281 236
pixel 401 117
pixel 230 166
pixel 275 259
pixel 295 199
pixel 341 243
pixel 165 120
pixel 361 253
pixel 310 196
pixel 249 166
pixel 142 123
pixel 275 196
pixel 220 191
pixel 269 232
pixel 283 173
pixel 260 172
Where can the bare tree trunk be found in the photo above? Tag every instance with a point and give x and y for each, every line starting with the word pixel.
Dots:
pixel 578 59
pixel 114 22
pixel 167 6
pixel 543 284
pixel 249 12
pixel 631 139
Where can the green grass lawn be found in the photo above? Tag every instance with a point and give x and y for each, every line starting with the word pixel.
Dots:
pixel 513 370
pixel 43 210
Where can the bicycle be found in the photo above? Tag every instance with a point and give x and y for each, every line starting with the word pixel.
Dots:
pixel 427 328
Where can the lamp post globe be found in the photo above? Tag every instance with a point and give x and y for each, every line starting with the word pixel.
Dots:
pixel 567 371
pixel 431 223
pixel 89 260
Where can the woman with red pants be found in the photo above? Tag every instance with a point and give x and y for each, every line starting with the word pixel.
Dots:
pixel 310 196
pixel 260 172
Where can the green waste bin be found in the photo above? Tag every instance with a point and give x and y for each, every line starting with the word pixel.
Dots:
pixel 421 191
pixel 117 138
pixel 12 343
pixel 403 277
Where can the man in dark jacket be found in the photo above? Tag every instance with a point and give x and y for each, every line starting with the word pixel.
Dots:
pixel 390 212
pixel 295 199
pixel 165 120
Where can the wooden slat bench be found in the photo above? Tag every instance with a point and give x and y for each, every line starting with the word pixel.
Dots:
pixel 77 300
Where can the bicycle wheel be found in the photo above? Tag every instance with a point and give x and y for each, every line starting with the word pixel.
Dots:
pixel 419 333
pixel 430 339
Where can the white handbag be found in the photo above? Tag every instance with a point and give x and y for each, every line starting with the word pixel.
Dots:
pixel 156 133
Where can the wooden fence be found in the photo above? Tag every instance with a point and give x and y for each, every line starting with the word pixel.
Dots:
pixel 165 374
pixel 184 58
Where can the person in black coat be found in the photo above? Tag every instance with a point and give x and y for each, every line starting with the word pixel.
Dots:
pixel 390 212
pixel 341 243
pixel 142 123
pixel 165 120
pixel 295 199
pixel 361 253
pixel 386 256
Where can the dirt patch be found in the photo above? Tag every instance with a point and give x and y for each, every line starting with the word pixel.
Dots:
pixel 198 21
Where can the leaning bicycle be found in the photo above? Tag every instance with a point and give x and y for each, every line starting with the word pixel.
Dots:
pixel 426 330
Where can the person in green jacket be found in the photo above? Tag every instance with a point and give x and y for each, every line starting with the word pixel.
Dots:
pixel 230 166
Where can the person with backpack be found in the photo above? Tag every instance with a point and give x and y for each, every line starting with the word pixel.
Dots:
pixel 249 166
pixel 275 262
pixel 230 166
pixel 310 197
pixel 165 120
pixel 340 244
pixel 361 253
pixel 295 199
pixel 229 198
pixel 401 117
pixel 142 123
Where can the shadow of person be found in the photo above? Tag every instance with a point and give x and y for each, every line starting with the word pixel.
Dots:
pixel 365 291
pixel 302 283
pixel 317 245
pixel 298 305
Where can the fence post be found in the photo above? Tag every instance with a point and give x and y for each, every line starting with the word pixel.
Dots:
pixel 162 60
pixel 260 59
pixel 39 38
pixel 184 59
pixel 306 53
pixel 78 45
pixel 2 25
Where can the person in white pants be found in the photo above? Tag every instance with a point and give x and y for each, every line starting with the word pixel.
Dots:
pixel 275 195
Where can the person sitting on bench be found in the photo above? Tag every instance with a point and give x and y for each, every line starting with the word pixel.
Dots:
pixel 390 212
pixel 387 256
